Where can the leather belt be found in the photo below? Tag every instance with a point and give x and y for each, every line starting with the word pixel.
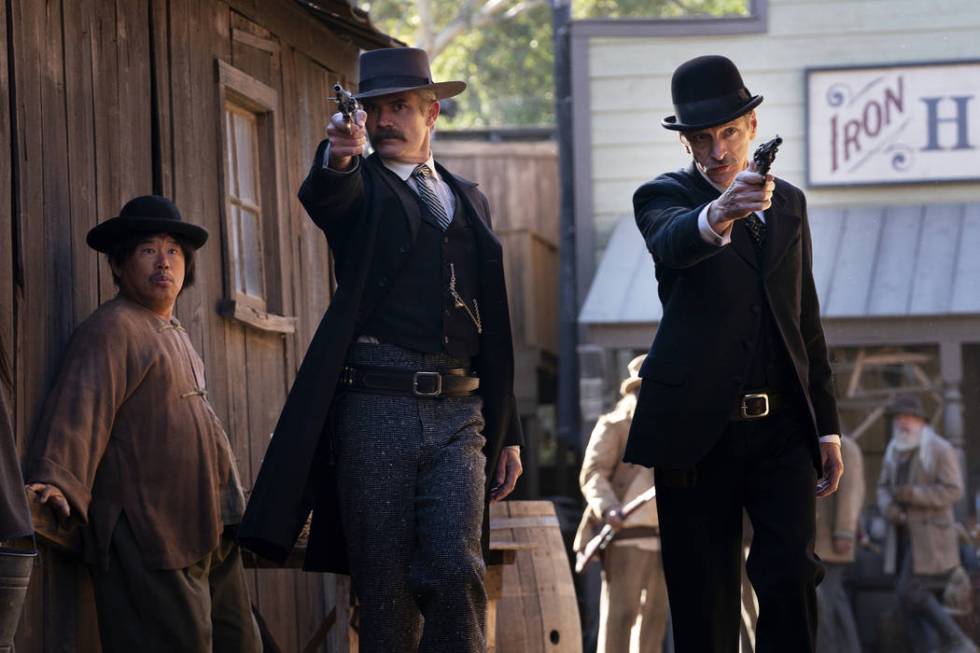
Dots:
pixel 754 406
pixel 390 381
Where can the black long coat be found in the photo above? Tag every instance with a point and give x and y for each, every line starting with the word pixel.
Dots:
pixel 695 372
pixel 371 219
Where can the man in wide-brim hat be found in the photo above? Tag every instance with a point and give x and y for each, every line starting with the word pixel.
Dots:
pixel 129 446
pixel 919 483
pixel 736 410
pixel 402 422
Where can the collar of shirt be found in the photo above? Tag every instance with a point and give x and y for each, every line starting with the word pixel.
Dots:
pixel 404 172
pixel 722 189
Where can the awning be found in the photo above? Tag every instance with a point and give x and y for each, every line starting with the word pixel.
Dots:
pixel 867 262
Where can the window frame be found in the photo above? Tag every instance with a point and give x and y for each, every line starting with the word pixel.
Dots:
pixel 244 92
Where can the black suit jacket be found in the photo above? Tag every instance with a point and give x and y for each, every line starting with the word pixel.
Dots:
pixel 712 297
pixel 371 219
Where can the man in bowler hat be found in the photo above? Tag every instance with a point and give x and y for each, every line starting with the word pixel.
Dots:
pixel 736 409
pixel 401 422
pixel 129 446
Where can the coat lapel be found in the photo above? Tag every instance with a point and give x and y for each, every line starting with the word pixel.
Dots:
pixel 409 200
pixel 741 240
pixel 744 245
pixel 782 229
pixel 467 193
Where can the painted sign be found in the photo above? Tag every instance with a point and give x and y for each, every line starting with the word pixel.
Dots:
pixel 893 124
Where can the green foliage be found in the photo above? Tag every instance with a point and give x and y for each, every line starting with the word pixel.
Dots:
pixel 509 69
pixel 508 63
pixel 658 8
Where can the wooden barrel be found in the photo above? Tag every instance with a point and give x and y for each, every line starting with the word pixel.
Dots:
pixel 537 611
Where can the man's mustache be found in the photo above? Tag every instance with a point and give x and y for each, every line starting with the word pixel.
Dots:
pixel 386 134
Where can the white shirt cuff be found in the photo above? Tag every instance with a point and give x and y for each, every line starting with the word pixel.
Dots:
pixel 830 438
pixel 710 235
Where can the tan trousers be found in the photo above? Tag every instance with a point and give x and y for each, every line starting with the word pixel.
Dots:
pixel 203 608
pixel 626 572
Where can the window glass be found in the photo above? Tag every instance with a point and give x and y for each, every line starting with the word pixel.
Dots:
pixel 252 251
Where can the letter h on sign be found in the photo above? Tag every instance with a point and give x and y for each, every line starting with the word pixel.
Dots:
pixel 960 120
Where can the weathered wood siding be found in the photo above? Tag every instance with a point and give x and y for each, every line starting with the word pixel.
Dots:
pixel 629 89
pixel 521 182
pixel 109 99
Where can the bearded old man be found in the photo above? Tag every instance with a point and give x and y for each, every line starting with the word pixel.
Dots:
pixel 736 409
pixel 919 483
pixel 402 421
pixel 129 446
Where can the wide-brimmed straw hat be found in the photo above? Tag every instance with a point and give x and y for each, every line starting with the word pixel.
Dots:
pixel 147 214
pixel 396 70
pixel 708 91
pixel 633 380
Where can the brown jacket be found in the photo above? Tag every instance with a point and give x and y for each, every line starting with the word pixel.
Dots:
pixel 128 429
pixel 837 515
pixel 607 481
pixel 937 484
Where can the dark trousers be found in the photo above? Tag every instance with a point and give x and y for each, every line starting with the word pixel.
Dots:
pixel 764 467
pixel 203 608
pixel 927 623
pixel 412 483
pixel 837 631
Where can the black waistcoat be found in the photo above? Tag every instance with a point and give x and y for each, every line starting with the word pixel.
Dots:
pixel 771 367
pixel 419 313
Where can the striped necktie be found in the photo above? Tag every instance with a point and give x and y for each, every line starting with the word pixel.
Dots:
pixel 423 180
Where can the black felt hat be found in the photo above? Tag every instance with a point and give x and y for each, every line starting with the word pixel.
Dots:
pixel 708 91
pixel 148 214
pixel 396 70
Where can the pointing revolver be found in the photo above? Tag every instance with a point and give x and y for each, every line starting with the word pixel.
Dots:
pixel 347 104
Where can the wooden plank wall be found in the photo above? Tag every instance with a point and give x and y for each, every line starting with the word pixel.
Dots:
pixel 117 98
pixel 81 144
pixel 521 182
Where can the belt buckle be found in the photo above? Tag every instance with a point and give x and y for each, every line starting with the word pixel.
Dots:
pixel 745 411
pixel 415 384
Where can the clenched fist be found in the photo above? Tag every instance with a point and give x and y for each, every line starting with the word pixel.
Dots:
pixel 347 140
pixel 748 193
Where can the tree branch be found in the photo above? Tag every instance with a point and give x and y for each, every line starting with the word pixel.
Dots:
pixel 492 11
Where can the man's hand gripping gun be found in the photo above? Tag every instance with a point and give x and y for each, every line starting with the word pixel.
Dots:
pixel 599 543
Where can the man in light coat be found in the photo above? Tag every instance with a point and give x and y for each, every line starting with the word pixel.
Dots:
pixel 631 564
pixel 919 483
pixel 837 529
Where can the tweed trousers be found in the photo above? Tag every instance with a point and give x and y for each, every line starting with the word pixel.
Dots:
pixel 411 483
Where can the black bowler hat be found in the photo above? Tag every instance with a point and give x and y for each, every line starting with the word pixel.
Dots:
pixel 396 70
pixel 148 214
pixel 708 91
